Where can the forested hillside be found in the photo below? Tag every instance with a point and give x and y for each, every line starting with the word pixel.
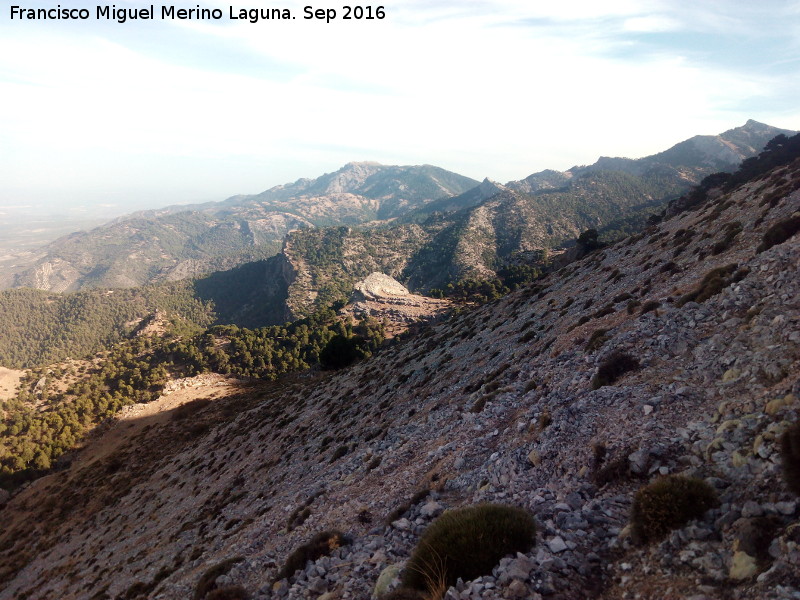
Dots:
pixel 58 405
pixel 38 327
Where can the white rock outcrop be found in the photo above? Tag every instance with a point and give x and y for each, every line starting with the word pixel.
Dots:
pixel 378 286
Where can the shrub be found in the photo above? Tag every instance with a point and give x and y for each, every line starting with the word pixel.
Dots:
pixel 339 453
pixel 341 351
pixel 230 592
pixel 780 232
pixel 669 267
pixel 790 457
pixel 207 583
pixel 599 452
pixel 712 284
pixel 298 517
pixel 731 230
pixel 467 543
pixel 755 535
pixel 322 544
pixel 649 306
pixel 138 590
pixel 614 367
pixel 615 470
pixel 479 405
pixel 606 310
pixel 669 503
pixel 596 340
pixel 545 418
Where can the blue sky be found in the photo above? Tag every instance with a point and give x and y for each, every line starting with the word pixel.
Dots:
pixel 98 116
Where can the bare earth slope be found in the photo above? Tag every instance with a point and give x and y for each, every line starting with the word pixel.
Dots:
pixel 496 404
pixel 9 382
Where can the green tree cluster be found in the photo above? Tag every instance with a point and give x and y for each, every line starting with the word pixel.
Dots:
pixel 38 327
pixel 485 290
pixel 41 424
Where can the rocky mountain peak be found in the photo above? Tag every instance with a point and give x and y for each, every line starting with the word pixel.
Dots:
pixel 752 124
pixel 361 163
pixel 487 186
pixel 351 176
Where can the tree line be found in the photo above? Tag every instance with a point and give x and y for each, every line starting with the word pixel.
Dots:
pixel 42 423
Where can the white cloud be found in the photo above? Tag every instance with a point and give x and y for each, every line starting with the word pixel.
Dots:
pixel 651 24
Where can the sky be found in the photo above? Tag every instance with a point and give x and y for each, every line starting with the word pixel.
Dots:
pixel 98 117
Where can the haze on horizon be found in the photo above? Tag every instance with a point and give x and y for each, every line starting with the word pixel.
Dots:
pixel 102 118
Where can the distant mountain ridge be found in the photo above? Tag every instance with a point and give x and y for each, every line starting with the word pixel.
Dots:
pixel 383 191
pixel 699 155
pixel 484 223
pixel 179 242
pixel 473 235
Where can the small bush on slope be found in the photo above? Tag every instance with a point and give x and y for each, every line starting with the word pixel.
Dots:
pixel 667 504
pixel 231 592
pixel 341 351
pixel 614 367
pixel 780 232
pixel 713 283
pixel 596 340
pixel 207 583
pixel 730 231
pixel 790 457
pixel 322 544
pixel 650 305
pixel 467 543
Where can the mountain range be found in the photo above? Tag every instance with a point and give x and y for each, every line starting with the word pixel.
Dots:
pixel 473 235
pixel 483 224
pixel 179 242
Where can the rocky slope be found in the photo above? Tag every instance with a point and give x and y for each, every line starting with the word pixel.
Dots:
pixel 495 404
pixel 383 298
